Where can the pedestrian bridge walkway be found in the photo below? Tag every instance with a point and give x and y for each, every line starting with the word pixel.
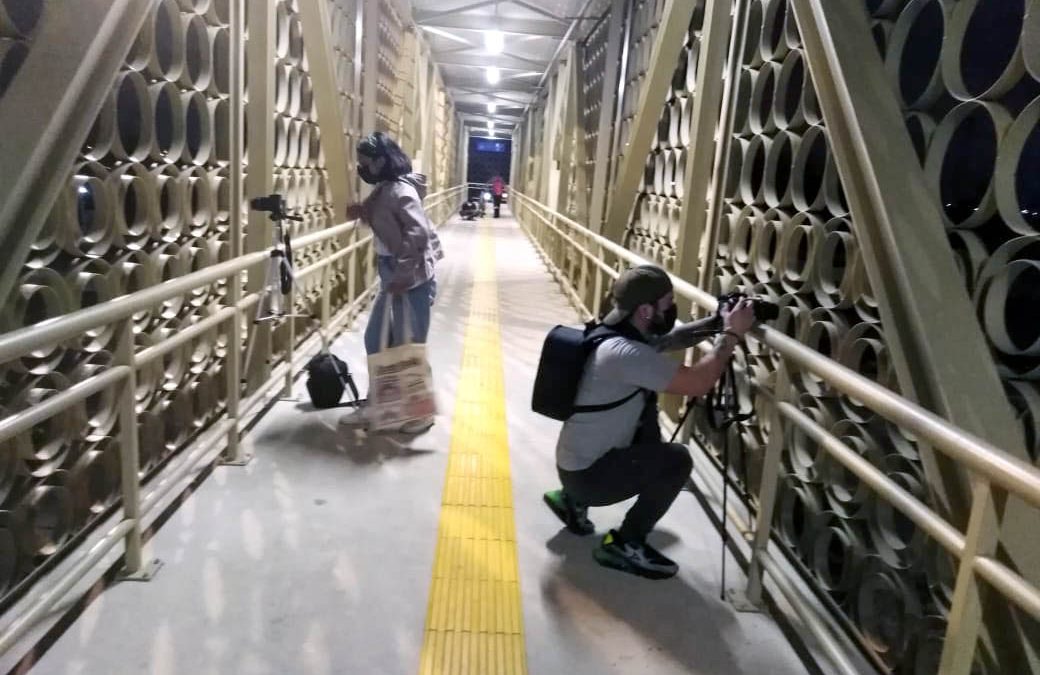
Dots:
pixel 328 552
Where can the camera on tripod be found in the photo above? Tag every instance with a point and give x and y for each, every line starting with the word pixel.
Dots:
pixel 275 205
pixel 764 310
pixel 275 303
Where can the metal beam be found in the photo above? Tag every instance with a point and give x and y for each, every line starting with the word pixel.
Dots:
pixel 478 61
pixel 912 271
pixel 539 10
pixel 551 29
pixel 483 86
pixel 607 100
pixel 702 155
pixel 48 109
pixel 260 176
pixel 568 120
pixel 314 16
pixel 369 39
pixel 458 10
pixel 668 42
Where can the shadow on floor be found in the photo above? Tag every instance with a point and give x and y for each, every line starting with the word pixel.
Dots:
pixel 319 433
pixel 683 621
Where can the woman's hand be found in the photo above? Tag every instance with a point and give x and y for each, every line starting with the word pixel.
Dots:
pixel 355 212
pixel 740 318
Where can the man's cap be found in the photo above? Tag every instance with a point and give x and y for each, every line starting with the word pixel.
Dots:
pixel 643 285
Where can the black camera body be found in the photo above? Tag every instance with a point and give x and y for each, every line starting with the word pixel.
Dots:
pixel 764 310
pixel 275 205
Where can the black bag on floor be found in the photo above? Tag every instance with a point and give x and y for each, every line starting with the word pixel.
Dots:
pixel 327 377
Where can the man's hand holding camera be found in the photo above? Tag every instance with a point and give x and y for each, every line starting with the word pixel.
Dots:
pixel 737 319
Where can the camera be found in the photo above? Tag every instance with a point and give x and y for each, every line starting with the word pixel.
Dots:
pixel 274 204
pixel 764 310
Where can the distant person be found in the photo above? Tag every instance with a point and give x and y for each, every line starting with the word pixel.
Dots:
pixel 407 248
pixel 498 187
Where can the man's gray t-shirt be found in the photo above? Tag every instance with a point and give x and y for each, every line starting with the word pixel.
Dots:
pixel 617 368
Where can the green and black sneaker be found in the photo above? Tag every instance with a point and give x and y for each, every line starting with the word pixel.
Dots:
pixel 635 558
pixel 575 517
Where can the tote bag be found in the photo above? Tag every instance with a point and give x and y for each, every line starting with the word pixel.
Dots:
pixel 400 379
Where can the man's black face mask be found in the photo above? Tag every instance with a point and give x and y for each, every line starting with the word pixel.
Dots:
pixel 663 323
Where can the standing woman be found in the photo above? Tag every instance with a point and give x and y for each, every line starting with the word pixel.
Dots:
pixel 407 248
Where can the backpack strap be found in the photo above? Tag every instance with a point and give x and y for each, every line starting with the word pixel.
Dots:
pixel 595 336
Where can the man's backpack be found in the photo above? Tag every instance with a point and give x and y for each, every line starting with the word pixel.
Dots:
pixel 327 377
pixel 560 370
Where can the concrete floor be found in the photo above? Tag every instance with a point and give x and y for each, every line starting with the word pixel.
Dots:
pixel 317 556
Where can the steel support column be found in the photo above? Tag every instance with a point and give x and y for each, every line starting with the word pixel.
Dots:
pixel 668 43
pixel 49 107
pixel 607 101
pixel 700 158
pixel 314 15
pixel 260 177
pixel 911 269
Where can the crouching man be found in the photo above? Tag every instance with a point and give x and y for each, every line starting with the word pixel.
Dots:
pixel 615 453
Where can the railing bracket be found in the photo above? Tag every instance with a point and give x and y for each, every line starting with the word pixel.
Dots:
pixel 148 570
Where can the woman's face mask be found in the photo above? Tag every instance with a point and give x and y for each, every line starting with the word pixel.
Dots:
pixel 371 169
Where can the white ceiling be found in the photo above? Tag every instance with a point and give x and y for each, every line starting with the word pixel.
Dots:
pixel 533 31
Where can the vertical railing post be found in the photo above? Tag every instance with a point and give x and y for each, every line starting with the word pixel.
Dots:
pixel 598 293
pixel 130 465
pixel 233 364
pixel 290 350
pixel 326 282
pixel 767 493
pixel 965 620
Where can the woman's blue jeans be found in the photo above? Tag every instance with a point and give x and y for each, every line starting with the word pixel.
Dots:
pixel 417 302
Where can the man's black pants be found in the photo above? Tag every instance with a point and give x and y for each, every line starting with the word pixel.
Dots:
pixel 497 199
pixel 654 471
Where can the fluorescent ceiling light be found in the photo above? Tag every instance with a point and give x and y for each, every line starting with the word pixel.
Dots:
pixel 494 41
pixel 492 107
pixel 491 125
pixel 493 75
pixel 530 73
pixel 446 34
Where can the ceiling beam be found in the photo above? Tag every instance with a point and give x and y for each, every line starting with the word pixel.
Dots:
pixel 509 26
pixel 481 84
pixel 501 61
pixel 495 95
pixel 462 9
pixel 538 10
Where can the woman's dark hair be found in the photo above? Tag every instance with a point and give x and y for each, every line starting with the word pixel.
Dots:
pixel 380 145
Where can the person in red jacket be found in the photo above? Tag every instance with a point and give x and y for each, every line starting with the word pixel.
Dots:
pixel 498 186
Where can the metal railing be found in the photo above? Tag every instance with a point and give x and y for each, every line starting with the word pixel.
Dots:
pixel 122 375
pixel 576 256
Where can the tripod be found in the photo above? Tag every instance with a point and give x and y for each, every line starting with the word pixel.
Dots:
pixel 274 303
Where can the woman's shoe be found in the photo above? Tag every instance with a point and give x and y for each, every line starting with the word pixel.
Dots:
pixel 419 426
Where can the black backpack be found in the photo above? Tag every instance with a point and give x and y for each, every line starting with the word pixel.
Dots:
pixel 327 377
pixel 560 369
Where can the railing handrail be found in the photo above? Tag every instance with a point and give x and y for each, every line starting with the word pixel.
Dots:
pixel 974 546
pixel 129 360
pixel 17 343
pixel 981 456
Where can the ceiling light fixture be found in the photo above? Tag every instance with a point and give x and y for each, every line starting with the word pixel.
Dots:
pixel 493 75
pixel 492 107
pixel 494 41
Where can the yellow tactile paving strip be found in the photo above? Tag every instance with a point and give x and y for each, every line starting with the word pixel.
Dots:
pixel 474 624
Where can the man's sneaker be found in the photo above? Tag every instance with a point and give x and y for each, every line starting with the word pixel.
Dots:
pixel 573 516
pixel 635 558
pixel 419 426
